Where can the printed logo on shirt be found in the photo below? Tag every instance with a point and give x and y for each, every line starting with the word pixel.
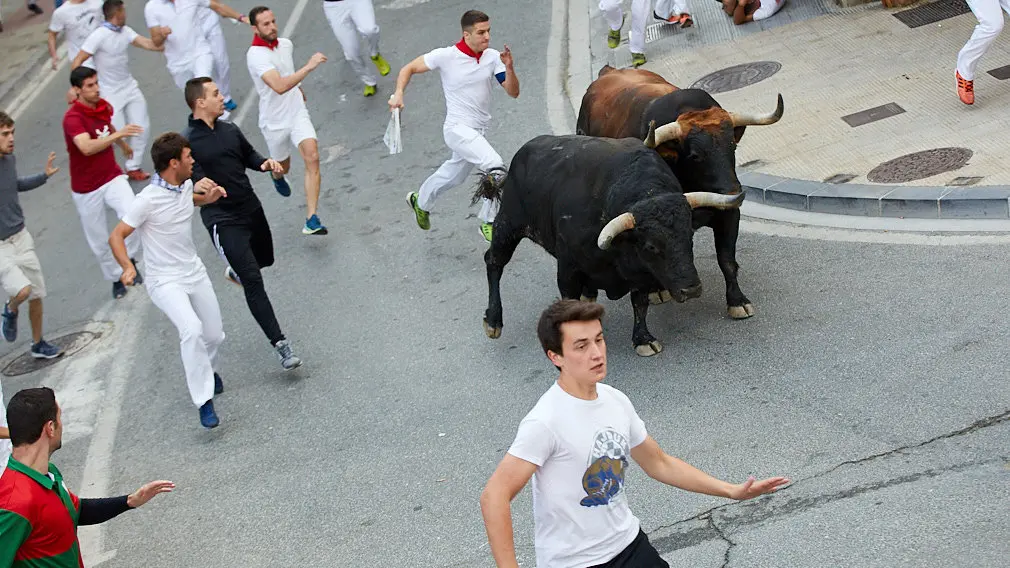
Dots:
pixel 608 460
pixel 103 132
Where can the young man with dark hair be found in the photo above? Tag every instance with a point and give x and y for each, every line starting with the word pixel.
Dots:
pixel 575 445
pixel 284 119
pixel 348 19
pixel 39 515
pixel 96 180
pixel 20 270
pixel 468 70
pixel 76 19
pixel 177 280
pixel 236 223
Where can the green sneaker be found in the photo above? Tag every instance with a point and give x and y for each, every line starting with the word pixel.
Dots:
pixel 381 64
pixel 614 37
pixel 486 229
pixel 637 59
pixel 369 90
pixel 420 215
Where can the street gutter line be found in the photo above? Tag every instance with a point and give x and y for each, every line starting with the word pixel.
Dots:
pixel 41 79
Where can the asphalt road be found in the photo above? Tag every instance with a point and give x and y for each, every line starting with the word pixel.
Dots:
pixel 873 374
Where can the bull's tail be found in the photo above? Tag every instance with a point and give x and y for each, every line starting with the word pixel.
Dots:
pixel 489 185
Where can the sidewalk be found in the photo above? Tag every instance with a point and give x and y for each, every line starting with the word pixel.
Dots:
pixel 832 65
pixel 23 44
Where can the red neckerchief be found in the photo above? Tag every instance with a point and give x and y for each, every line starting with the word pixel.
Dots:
pixel 260 42
pixel 102 110
pixel 462 46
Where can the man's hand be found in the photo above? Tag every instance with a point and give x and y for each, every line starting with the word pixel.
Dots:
pixel 55 63
pixel 129 275
pixel 127 151
pixel 130 130
pixel 50 168
pixel 214 193
pixel 204 186
pixel 145 493
pixel 316 60
pixel 751 488
pixel 272 165
pixel 506 56
pixel 395 101
pixel 166 31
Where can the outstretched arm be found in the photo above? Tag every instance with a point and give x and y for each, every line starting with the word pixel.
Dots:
pixel 82 56
pixel 147 43
pixel 281 85
pixel 403 77
pixel 29 183
pixel 228 11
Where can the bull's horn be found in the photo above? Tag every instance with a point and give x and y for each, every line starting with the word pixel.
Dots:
pixel 668 132
pixel 650 138
pixel 615 227
pixel 698 199
pixel 758 119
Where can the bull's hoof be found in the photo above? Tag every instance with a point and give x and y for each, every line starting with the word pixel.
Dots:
pixel 587 298
pixel 741 312
pixel 661 297
pixel 492 332
pixel 649 349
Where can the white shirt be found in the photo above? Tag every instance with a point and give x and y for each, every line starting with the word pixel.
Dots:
pixel 209 20
pixel 582 450
pixel 276 111
pixel 109 52
pixel 77 21
pixel 187 39
pixel 467 83
pixel 164 220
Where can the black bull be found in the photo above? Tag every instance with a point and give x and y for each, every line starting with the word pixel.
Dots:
pixel 613 215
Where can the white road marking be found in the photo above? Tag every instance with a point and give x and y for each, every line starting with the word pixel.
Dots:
pixel 39 81
pixel 401 4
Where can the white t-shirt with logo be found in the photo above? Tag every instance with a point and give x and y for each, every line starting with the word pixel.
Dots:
pixel 276 111
pixel 187 40
pixel 467 83
pixel 582 450
pixel 77 21
pixel 164 220
pixel 108 50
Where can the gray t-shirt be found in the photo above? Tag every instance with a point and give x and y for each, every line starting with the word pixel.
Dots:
pixel 12 220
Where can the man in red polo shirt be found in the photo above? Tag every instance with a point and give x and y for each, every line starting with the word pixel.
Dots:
pixel 96 180
pixel 39 516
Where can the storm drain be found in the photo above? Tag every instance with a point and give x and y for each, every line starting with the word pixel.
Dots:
pixel 737 77
pixel 919 165
pixel 70 343
pixel 932 12
pixel 1001 73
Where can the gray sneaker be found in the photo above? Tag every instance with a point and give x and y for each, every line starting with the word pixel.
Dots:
pixel 286 355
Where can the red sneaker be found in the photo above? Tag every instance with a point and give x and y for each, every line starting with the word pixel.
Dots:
pixel 965 90
pixel 138 175
pixel 686 21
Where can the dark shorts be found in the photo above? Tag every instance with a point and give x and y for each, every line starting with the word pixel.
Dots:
pixel 638 554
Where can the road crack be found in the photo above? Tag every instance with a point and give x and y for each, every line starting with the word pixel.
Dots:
pixel 729 543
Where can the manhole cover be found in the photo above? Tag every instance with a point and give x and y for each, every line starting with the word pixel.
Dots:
pixel 70 343
pixel 737 77
pixel 919 165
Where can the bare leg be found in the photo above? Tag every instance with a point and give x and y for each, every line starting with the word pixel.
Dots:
pixel 35 316
pixel 19 299
pixel 309 149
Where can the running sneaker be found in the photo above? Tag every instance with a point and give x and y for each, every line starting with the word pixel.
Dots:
pixel 380 64
pixel 45 350
pixel 670 20
pixel 232 276
pixel 230 106
pixel 685 20
pixel 369 90
pixel 420 215
pixel 313 226
pixel 118 290
pixel 614 37
pixel 637 59
pixel 965 89
pixel 208 418
pixel 287 355
pixel 218 384
pixel 139 279
pixel 10 325
pixel 282 187
pixel 138 175
pixel 486 229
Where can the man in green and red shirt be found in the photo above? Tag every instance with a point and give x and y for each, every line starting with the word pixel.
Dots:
pixel 39 516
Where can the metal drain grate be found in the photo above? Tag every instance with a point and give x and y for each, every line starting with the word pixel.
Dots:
pixel 873 114
pixel 932 12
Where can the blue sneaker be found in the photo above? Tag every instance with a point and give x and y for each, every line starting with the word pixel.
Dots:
pixel 45 350
pixel 313 226
pixel 218 384
pixel 230 106
pixel 207 415
pixel 282 187
pixel 10 325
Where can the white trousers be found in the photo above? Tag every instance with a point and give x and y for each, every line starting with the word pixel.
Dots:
pixel 130 107
pixel 201 66
pixel 348 19
pixel 192 306
pixel 667 8
pixel 469 149
pixel 990 24
pixel 91 207
pixel 639 15
pixel 222 66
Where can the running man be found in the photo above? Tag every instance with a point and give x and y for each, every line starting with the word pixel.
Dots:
pixel 237 225
pixel 468 70
pixel 177 280
pixel 219 49
pixel 743 11
pixel 77 19
pixel 20 270
pixel 581 514
pixel 284 119
pixel 108 47
pixel 990 23
pixel 349 19
pixel 96 180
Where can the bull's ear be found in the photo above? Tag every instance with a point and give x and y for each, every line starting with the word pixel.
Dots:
pixel 738 133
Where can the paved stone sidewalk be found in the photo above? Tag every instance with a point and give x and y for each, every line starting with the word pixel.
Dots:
pixel 23 44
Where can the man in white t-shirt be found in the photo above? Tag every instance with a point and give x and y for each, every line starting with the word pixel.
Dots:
pixel 284 119
pixel 177 281
pixel 77 19
pixel 219 49
pixel 468 70
pixel 576 445
pixel 108 48
pixel 348 19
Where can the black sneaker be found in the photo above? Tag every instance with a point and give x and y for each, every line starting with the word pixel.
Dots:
pixel 140 278
pixel 208 418
pixel 218 384
pixel 35 8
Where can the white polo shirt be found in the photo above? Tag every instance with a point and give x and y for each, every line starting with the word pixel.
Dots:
pixel 467 82
pixel 108 49
pixel 276 111
pixel 187 40
pixel 77 21
pixel 163 218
